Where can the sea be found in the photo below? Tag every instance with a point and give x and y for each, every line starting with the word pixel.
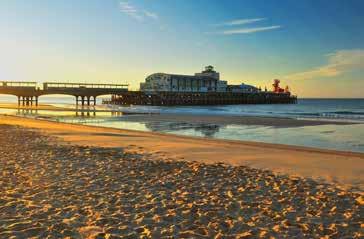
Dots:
pixel 348 137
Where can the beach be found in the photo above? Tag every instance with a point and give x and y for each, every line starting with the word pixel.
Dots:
pixel 79 181
pixel 32 107
pixel 187 119
pixel 50 107
pixel 182 117
pixel 330 166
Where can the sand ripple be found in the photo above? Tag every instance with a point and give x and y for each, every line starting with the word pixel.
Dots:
pixel 58 191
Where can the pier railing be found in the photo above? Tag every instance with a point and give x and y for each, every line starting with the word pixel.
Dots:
pixel 18 84
pixel 48 85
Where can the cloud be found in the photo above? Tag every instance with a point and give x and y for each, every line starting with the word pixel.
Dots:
pixel 240 22
pixel 247 30
pixel 134 12
pixel 130 10
pixel 151 15
pixel 338 63
pixel 243 30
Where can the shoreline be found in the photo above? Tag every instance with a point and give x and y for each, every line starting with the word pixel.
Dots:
pixel 49 107
pixel 40 107
pixel 213 140
pixel 127 116
pixel 340 167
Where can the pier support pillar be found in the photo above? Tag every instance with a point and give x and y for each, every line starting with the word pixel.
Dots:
pixel 88 100
pixel 83 100
pixel 36 101
pixel 94 100
pixel 19 97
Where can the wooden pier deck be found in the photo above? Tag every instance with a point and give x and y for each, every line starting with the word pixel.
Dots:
pixel 28 93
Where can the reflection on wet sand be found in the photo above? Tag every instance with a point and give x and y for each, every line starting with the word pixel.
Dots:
pixel 207 130
pixel 30 111
pixel 85 113
pixel 345 137
pixel 78 112
pixel 116 113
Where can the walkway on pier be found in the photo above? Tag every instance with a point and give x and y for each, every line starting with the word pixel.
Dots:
pixel 85 94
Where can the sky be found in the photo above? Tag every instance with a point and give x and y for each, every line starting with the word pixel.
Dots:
pixel 314 46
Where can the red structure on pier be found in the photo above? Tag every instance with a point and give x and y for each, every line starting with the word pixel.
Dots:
pixel 278 89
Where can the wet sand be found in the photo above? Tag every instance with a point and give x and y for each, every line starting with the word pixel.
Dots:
pixel 343 168
pixel 56 189
pixel 39 107
pixel 45 107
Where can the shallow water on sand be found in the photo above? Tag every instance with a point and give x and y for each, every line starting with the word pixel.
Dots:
pixel 338 137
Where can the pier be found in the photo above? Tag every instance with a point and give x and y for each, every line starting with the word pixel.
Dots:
pixel 199 98
pixel 85 94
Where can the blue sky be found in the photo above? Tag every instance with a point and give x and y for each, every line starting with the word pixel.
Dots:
pixel 316 47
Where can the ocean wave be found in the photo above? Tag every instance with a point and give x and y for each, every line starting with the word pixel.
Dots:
pixel 346 112
pixel 327 113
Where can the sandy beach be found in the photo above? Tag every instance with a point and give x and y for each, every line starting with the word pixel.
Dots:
pixel 329 166
pixel 64 180
pixel 141 119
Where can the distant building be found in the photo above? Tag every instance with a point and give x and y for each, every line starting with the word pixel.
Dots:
pixel 205 81
pixel 209 72
pixel 243 88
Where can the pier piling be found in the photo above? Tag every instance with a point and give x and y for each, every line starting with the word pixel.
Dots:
pixel 200 98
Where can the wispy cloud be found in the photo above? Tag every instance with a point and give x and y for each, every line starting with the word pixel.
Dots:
pixel 136 13
pixel 338 63
pixel 238 22
pixel 247 30
pixel 242 29
pixel 151 15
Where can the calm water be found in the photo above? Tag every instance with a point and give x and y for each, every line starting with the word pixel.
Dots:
pixel 339 137
pixel 332 109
